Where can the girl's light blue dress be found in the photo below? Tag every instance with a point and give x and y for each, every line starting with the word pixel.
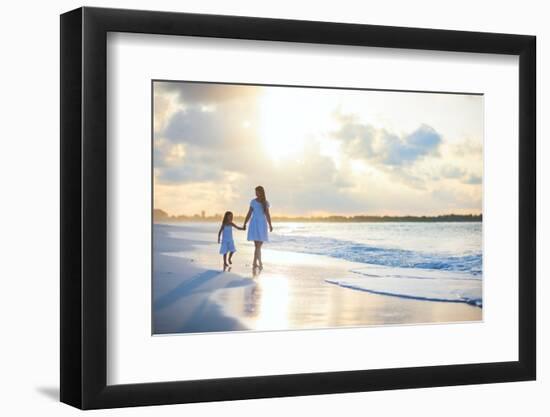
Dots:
pixel 257 228
pixel 228 245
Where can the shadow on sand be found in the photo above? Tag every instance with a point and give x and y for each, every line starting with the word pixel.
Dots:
pixel 185 289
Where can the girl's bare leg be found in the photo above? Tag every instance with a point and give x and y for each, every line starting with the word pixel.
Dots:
pixel 225 259
pixel 230 256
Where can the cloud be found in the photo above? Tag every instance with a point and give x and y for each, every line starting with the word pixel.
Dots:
pixel 355 137
pixel 393 154
pixel 306 184
pixel 468 148
pixel 194 126
pixel 165 105
pixel 408 178
pixel 362 140
pixel 205 94
pixel 472 179
pixel 452 171
pixel 456 199
pixel 406 150
pixel 210 151
pixel 213 132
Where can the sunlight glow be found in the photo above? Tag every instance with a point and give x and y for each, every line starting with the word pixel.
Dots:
pixel 358 166
pixel 208 109
pixel 288 120
pixel 274 301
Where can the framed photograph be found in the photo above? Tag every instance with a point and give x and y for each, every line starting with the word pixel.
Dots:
pixel 257 207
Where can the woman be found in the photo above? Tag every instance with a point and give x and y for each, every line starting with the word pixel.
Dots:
pixel 257 230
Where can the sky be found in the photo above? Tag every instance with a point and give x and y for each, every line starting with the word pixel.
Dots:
pixel 316 151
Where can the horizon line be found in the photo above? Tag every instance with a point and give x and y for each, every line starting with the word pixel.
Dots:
pixel 325 216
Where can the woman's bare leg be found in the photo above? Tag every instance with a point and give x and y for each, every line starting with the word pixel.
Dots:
pixel 256 251
pixel 261 265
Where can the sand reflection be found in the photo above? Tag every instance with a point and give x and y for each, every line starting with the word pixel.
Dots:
pixel 271 297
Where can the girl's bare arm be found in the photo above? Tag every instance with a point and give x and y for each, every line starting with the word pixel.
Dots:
pixel 237 227
pixel 220 232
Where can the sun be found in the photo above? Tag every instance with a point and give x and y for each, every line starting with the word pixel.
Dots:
pixel 283 129
pixel 289 117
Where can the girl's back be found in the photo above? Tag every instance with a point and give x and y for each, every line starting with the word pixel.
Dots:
pixel 227 233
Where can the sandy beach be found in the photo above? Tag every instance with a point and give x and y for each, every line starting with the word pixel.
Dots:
pixel 192 293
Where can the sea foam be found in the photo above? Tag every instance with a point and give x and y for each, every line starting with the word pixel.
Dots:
pixel 470 262
pixel 432 285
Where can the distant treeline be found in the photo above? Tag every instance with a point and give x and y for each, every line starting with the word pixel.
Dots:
pixel 162 216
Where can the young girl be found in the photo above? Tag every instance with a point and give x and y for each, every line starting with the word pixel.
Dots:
pixel 226 233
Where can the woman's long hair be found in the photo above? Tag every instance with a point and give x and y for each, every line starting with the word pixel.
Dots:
pixel 261 197
pixel 226 216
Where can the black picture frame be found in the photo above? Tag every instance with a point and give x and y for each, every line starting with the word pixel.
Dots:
pixel 84 207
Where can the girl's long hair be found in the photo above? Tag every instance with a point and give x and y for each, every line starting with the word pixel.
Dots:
pixel 261 197
pixel 225 220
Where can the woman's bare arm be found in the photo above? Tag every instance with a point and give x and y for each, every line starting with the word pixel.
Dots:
pixel 247 217
pixel 268 217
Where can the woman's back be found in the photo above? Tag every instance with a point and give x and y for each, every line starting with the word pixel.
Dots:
pixel 258 208
pixel 257 229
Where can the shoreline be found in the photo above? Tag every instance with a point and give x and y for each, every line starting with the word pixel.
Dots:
pixel 192 294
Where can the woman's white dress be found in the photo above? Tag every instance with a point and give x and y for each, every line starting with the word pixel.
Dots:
pixel 228 244
pixel 257 228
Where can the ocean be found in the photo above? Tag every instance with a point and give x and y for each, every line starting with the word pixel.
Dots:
pixel 436 261
pixel 439 246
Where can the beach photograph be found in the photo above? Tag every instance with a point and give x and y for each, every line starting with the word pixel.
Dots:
pixel 281 208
